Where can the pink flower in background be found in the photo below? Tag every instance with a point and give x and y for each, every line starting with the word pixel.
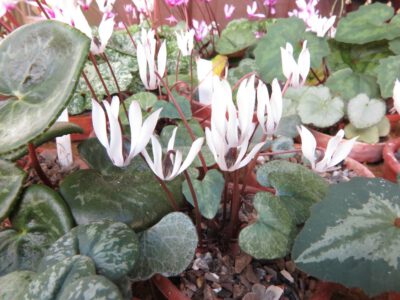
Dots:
pixel 228 10
pixel 305 10
pixel 201 30
pixel 128 8
pixel 7 5
pixel 251 11
pixel 171 19
pixel 271 5
pixel 176 2
pixel 85 4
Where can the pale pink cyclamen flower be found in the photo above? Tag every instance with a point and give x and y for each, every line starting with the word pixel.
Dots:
pixel 228 10
pixel 201 30
pixel 185 41
pixel 144 6
pixel 321 25
pixel 171 19
pixel 251 11
pixel 271 5
pixel 336 151
pixel 173 3
pixel 6 6
pixel 305 10
pixel 112 139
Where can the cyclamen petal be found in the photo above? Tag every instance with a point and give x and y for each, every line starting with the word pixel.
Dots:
pixel 100 124
pixel 194 150
pixel 115 150
pixel 396 96
pixel 308 144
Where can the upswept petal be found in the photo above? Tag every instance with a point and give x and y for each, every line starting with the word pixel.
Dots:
pixel 106 29
pixel 194 150
pixel 142 63
pixel 100 124
pixel 342 151
pixel 171 141
pixel 146 131
pixel 115 150
pixel 276 102
pixel 333 143
pixel 135 123
pixel 288 62
pixel 205 77
pixel 396 96
pixel 251 155
pixel 262 99
pixel 304 62
pixel 162 59
pixel 176 164
pixel 308 144
pixel 157 156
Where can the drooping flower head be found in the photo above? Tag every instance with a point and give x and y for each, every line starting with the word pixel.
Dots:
pixel 201 30
pixel 336 151
pixel 252 11
pixel 228 11
pixel 141 132
pixel 297 72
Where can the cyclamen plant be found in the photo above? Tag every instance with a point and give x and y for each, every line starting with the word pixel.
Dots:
pixel 173 150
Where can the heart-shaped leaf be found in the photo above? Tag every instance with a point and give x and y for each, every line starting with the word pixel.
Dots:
pixel 317 107
pixel 130 195
pixel 291 30
pixel 388 71
pixel 41 64
pixel 113 247
pixel 13 285
pixel 169 110
pixel 58 129
pixel 352 236
pixel 72 278
pixel 297 186
pixel 239 34
pixel 348 84
pixel 246 66
pixel 166 248
pixel 369 135
pixel 208 193
pixel 364 112
pixel 39 219
pixel 369 23
pixel 272 234
pixel 11 179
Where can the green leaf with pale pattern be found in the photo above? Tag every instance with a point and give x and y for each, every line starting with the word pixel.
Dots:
pixel 41 64
pixel 131 195
pixel 297 186
pixel 271 235
pixel 11 179
pixel 56 130
pixel 238 35
pixel 348 84
pixel 388 71
pixel 166 248
pixel 113 247
pixel 13 285
pixel 369 23
pixel 364 112
pixel 352 236
pixel 38 220
pixel 208 192
pixel 318 107
pixel 169 110
pixel 289 30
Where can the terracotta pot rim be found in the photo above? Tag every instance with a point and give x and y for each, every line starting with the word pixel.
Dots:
pixel 356 143
pixel 389 154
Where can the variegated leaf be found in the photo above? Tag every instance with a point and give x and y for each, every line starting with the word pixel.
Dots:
pixel 353 236
pixel 13 285
pixel 166 248
pixel 112 246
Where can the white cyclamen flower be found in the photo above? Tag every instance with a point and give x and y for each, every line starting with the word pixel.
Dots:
pixel 297 72
pixel 141 132
pixel 144 6
pixel 321 25
pixel 396 96
pixel 269 110
pixel 172 165
pixel 146 55
pixel 336 151
pixel 185 41
pixel 106 29
pixel 229 137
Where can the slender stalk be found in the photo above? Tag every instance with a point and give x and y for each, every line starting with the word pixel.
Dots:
pixel 196 206
pixel 316 76
pixel 235 205
pixel 90 86
pixel 177 65
pixel 185 122
pixel 116 83
pixel 42 9
pixel 94 61
pixel 5 25
pixel 225 197
pixel 130 35
pixel 191 77
pixel 34 162
pixel 170 197
pixel 11 18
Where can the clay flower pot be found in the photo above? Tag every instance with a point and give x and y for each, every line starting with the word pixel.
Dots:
pixel 391 166
pixel 85 122
pixel 361 152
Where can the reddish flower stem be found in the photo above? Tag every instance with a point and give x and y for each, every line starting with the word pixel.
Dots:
pixel 5 25
pixel 34 162
pixel 130 35
pixel 42 9
pixel 196 206
pixel 94 61
pixel 89 86
pixel 235 205
pixel 185 122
